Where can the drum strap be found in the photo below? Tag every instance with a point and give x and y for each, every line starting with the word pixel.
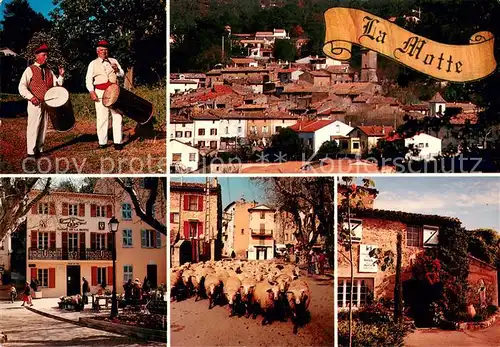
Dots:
pixel 103 86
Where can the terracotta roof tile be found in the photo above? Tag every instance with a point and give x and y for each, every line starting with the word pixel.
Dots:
pixel 437 98
pixel 376 130
pixel 309 126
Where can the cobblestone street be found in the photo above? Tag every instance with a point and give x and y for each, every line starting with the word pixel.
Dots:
pixel 26 328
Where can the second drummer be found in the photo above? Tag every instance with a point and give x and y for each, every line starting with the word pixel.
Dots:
pixel 35 81
pixel 101 73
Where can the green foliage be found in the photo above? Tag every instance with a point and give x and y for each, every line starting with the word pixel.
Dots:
pixel 55 55
pixel 136 30
pixel 66 185
pixel 284 50
pixel 19 24
pixel 484 244
pixel 377 334
pixel 286 142
pixel 328 149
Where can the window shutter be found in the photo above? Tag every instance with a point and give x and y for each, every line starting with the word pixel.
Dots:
pixel 93 210
pixel 34 273
pixel 34 209
pixel 110 242
pixel 158 239
pixel 65 240
pixel 200 229
pixel 52 208
pixel 65 209
pixel 186 202
pixel 52 239
pixel 186 230
pixel 143 238
pixel 200 203
pixel 93 243
pixel 34 241
pixel 171 217
pixel 109 211
pixel 110 275
pixel 82 243
pixel 94 276
pixel 52 277
pixel 81 210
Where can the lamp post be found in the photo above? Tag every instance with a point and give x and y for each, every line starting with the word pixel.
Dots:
pixel 113 228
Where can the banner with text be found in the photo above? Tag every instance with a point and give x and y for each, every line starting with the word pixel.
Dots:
pixel 455 63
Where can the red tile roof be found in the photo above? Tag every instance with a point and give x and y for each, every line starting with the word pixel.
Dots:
pixel 376 130
pixel 309 126
pixel 437 98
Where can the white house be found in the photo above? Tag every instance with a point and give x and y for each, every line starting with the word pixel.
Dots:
pixel 228 217
pixel 262 227
pixel 319 63
pixel 182 130
pixel 206 131
pixel 181 85
pixel 316 132
pixel 184 157
pixel 429 146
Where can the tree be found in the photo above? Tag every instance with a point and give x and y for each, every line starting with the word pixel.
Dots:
pixel 284 50
pixel 144 199
pixel 328 149
pixel 352 197
pixel 88 185
pixel 66 185
pixel 19 24
pixel 56 58
pixel 136 30
pixel 286 142
pixel 310 203
pixel 17 196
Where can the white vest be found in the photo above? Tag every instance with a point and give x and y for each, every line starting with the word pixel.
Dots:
pixel 103 72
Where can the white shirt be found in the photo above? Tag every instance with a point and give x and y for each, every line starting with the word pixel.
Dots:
pixel 26 79
pixel 100 72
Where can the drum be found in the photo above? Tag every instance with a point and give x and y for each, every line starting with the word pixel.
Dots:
pixel 60 110
pixel 128 104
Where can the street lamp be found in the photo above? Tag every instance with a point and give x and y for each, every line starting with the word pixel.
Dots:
pixel 113 228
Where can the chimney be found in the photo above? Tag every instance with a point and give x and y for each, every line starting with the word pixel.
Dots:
pixel 383 130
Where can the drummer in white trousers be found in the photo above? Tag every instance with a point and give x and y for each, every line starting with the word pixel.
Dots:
pixel 101 73
pixel 35 81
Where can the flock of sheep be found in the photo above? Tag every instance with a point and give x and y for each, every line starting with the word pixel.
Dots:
pixel 248 287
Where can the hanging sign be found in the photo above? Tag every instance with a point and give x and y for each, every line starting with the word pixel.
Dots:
pixel 454 63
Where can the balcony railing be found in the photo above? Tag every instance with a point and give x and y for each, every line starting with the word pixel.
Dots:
pixel 65 254
pixel 261 232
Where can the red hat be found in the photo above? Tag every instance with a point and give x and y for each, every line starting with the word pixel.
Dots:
pixel 103 43
pixel 42 48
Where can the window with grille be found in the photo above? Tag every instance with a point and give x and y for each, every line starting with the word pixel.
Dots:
pixel 414 236
pixel 100 211
pixel 362 292
pixel 193 203
pixel 262 215
pixel 126 211
pixel 100 242
pixel 101 275
pixel 128 273
pixel 43 240
pixel 43 277
pixel 127 238
pixel 43 208
pixel 73 210
pixel 73 241
pixel 192 156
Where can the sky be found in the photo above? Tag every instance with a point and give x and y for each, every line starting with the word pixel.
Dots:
pixel 233 188
pixel 474 200
pixel 42 6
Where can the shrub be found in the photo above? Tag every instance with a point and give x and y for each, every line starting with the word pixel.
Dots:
pixel 375 313
pixel 377 334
